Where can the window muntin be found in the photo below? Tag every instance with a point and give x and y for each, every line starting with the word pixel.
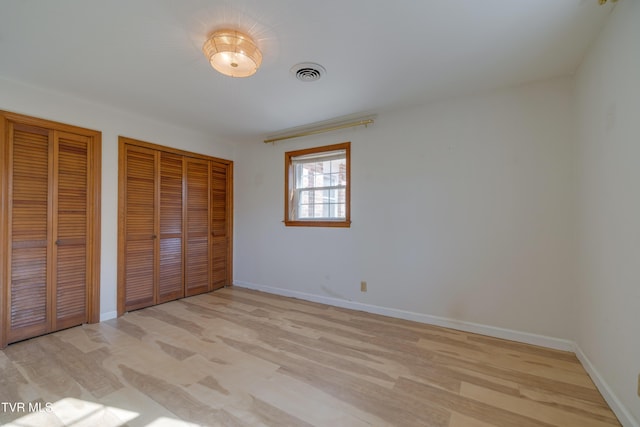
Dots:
pixel 317 187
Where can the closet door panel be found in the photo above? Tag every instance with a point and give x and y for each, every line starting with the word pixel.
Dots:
pixel 71 230
pixel 170 280
pixel 71 294
pixel 29 211
pixel 171 272
pixel 29 313
pixel 197 227
pixel 219 262
pixel 219 226
pixel 139 231
pixel 139 275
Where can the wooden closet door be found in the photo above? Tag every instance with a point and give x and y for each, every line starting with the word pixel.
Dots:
pixel 140 228
pixel 70 251
pixel 30 168
pixel 219 225
pixel 49 226
pixel 170 281
pixel 196 226
pixel 174 224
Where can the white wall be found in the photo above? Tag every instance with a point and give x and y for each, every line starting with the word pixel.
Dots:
pixel 461 209
pixel 608 107
pixel 36 102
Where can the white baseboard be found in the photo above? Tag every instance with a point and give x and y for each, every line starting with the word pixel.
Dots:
pixel 492 331
pixel 108 315
pixel 625 418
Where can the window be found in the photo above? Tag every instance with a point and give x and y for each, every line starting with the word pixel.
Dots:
pixel 317 186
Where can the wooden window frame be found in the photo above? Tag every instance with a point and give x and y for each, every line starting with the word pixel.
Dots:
pixel 289 182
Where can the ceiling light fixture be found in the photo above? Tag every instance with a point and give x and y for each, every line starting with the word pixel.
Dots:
pixel 232 53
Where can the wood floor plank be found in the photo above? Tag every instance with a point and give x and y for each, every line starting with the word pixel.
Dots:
pixel 171 396
pixel 598 411
pixel 10 379
pixel 85 368
pixel 174 351
pixel 470 407
pixel 293 396
pixel 587 393
pixel 272 416
pixel 550 414
pixel 237 357
pixel 520 363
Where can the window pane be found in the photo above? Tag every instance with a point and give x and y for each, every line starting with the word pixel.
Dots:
pixel 303 211
pixel 337 164
pixel 337 195
pixel 304 176
pixel 321 196
pixel 303 197
pixel 321 174
pixel 326 204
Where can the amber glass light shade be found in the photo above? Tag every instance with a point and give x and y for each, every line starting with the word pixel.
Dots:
pixel 232 53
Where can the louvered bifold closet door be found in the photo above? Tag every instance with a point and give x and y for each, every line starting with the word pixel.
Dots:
pixel 30 151
pixel 71 230
pixel 171 273
pixel 219 226
pixel 139 227
pixel 196 210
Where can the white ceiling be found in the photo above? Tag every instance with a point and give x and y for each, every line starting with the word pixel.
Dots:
pixel 145 55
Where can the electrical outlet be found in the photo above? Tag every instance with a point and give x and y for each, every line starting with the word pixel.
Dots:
pixel 363 286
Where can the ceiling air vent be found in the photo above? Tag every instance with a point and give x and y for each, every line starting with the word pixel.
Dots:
pixel 308 71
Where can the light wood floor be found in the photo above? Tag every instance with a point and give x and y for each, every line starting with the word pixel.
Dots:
pixel 243 358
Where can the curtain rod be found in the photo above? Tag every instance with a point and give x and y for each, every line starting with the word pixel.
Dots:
pixel 327 128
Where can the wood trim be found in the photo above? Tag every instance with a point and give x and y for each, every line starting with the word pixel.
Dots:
pixel 122 167
pixel 209 238
pixel 21 119
pixel 288 178
pixel 4 238
pixel 230 224
pixel 172 150
pixel 311 223
pixel 95 237
pixel 52 229
pixel 156 229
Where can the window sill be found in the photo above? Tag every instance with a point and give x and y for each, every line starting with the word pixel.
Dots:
pixel 342 224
